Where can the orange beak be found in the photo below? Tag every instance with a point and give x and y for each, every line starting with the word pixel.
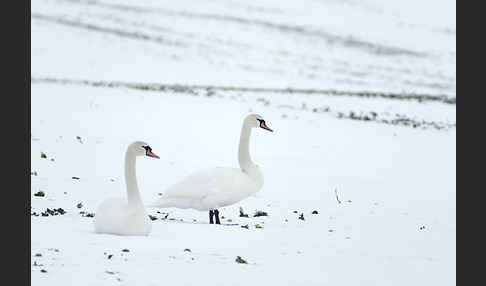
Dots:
pixel 150 154
pixel 264 126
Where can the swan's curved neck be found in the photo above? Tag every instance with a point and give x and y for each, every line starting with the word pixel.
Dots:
pixel 244 149
pixel 131 179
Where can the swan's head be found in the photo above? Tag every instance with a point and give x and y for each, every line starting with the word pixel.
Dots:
pixel 255 120
pixel 140 148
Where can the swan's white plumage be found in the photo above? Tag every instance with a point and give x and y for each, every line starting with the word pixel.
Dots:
pixel 116 216
pixel 210 189
pixel 126 216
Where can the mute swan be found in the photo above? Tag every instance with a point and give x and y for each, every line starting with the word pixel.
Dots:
pixel 122 216
pixel 211 189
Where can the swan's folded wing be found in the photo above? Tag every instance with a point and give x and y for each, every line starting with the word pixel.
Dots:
pixel 205 183
pixel 208 189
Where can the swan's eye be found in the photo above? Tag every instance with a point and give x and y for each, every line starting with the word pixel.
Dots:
pixel 147 148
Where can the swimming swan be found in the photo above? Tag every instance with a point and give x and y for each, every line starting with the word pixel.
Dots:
pixel 122 216
pixel 213 188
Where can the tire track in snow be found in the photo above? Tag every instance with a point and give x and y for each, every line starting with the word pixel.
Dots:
pixel 331 39
pixel 107 30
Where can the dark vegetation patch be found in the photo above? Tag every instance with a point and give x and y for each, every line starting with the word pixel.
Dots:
pixel 86 214
pixel 240 260
pixel 301 216
pixel 260 213
pixel 153 217
pixel 400 119
pixel 196 89
pixel 50 212
pixel 40 194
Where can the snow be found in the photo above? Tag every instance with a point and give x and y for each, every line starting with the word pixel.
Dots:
pixel 227 44
pixel 385 194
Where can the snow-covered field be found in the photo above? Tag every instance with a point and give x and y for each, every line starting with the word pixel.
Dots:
pixel 384 190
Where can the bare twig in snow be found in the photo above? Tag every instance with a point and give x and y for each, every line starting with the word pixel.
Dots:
pixel 337 197
pixel 242 214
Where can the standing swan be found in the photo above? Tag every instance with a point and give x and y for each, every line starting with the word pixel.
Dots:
pixel 211 189
pixel 119 216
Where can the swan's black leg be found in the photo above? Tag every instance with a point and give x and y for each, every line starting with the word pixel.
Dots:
pixel 216 213
pixel 211 214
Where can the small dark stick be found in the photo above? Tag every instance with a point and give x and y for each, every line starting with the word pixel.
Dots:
pixel 242 214
pixel 337 198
